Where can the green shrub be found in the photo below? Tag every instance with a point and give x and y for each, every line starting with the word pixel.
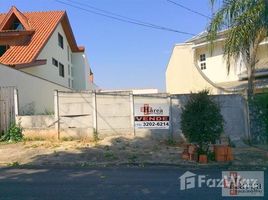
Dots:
pixel 13 134
pixel 201 120
pixel 260 106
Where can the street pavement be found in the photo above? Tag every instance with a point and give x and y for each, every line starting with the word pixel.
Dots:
pixel 122 182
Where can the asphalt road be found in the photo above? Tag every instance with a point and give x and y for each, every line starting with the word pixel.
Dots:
pixel 104 183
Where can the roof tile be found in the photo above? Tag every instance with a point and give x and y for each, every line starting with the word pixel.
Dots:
pixel 44 23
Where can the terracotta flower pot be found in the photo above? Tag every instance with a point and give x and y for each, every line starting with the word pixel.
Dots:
pixel 230 156
pixel 203 159
pixel 221 152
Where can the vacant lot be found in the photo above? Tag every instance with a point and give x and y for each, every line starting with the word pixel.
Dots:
pixel 111 150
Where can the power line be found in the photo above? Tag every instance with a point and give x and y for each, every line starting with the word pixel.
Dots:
pixel 118 17
pixel 189 9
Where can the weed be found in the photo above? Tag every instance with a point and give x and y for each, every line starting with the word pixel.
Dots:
pixel 110 155
pixel 66 139
pixel 33 139
pixel 247 141
pixel 171 142
pixel 95 135
pixel 13 164
pixel 56 153
pixel 13 134
pixel 34 146
pixel 133 158
pixel 106 147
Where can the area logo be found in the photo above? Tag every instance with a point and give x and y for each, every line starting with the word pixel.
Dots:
pixel 148 110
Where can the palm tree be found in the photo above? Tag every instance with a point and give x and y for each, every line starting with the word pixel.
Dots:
pixel 246 24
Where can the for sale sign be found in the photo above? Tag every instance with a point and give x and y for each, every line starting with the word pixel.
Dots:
pixel 152 116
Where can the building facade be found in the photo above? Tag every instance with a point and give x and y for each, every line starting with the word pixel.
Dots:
pixel 43 44
pixel 193 67
pixel 38 55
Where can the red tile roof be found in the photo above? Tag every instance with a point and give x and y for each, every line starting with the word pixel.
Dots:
pixel 43 24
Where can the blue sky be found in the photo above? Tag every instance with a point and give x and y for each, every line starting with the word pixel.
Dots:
pixel 123 55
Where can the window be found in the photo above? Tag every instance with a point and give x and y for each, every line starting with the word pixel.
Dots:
pixel 54 62
pixel 203 66
pixel 61 70
pixel 72 83
pixel 3 49
pixel 202 57
pixel 202 61
pixel 60 40
pixel 69 70
pixel 17 25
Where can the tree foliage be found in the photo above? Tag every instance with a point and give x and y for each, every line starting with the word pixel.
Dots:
pixel 201 120
pixel 246 25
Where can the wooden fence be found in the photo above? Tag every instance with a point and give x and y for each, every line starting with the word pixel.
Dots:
pixel 7 107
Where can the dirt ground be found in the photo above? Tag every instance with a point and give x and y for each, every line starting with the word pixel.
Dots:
pixel 111 150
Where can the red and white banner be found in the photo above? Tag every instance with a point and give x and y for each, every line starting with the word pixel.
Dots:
pixel 152 116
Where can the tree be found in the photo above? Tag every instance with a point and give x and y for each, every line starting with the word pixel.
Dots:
pixel 201 120
pixel 246 22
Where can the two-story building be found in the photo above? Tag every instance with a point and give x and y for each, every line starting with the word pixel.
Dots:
pixel 41 45
pixel 193 67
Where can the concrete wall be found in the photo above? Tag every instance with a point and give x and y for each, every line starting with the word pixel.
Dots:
pixel 75 114
pixel 233 110
pixel 112 114
pixel 35 95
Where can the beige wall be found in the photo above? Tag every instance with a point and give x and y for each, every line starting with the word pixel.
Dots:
pixel 216 67
pixel 36 96
pixel 181 75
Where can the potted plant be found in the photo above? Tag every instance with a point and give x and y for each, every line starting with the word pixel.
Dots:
pixel 201 121
pixel 202 156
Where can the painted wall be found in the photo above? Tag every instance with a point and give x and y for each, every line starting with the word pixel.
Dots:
pixel 81 72
pixel 181 75
pixel 36 95
pixel 216 67
pixel 76 67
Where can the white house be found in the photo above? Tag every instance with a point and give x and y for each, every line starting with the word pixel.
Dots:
pixel 42 44
pixel 192 68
